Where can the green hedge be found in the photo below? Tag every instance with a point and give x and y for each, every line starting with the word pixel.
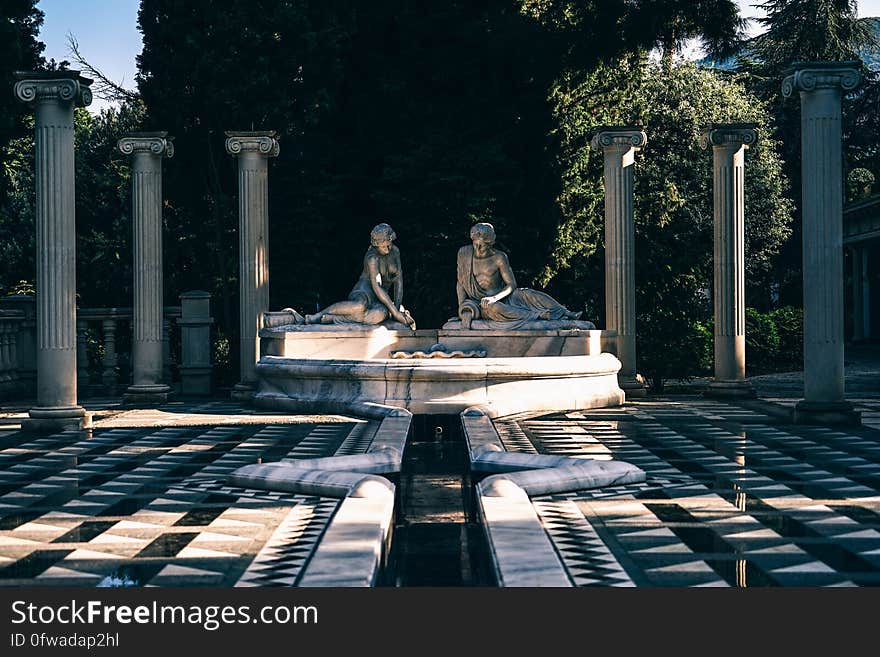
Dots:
pixel 774 341
pixel 762 342
pixel 790 327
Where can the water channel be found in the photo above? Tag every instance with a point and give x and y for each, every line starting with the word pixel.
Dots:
pixel 437 539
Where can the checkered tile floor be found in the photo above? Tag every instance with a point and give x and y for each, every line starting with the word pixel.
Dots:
pixel 732 498
pixel 142 505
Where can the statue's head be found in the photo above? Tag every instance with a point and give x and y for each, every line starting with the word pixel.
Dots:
pixel 484 232
pixel 382 233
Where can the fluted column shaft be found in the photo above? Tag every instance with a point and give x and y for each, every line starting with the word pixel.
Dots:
pixel 619 146
pixel 147 151
pixel 53 96
pixel 729 142
pixel 820 86
pixel 252 150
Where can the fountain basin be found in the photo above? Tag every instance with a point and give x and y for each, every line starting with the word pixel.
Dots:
pixel 506 371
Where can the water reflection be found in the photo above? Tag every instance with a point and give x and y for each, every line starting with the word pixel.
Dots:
pixel 115 581
pixel 732 446
pixel 131 575
pixel 741 573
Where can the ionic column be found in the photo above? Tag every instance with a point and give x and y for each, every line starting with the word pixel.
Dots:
pixel 53 95
pixel 147 150
pixel 619 146
pixel 253 150
pixel 729 142
pixel 820 85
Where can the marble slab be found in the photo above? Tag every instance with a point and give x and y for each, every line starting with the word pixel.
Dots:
pixel 446 386
pixel 355 342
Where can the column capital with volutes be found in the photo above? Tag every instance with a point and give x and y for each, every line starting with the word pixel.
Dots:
pixel 812 76
pixel 152 143
pixel 35 87
pixel 619 138
pixel 264 142
pixel 731 135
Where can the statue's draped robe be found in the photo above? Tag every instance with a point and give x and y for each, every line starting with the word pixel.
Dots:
pixel 374 311
pixel 513 311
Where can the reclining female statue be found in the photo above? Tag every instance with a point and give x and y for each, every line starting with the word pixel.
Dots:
pixel 378 293
pixel 487 290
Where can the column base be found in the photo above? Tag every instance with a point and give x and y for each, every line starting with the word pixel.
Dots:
pixel 736 389
pixel 243 392
pixel 633 386
pixel 195 380
pixel 146 395
pixel 838 413
pixel 53 419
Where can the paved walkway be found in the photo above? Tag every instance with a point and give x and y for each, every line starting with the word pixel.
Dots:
pixel 732 498
pixel 734 495
pixel 861 371
pixel 862 384
pixel 141 500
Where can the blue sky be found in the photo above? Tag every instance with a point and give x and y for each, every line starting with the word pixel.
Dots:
pixel 107 34
pixel 109 39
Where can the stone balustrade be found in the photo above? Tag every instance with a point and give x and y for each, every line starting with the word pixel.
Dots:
pixel 111 329
pixel 104 349
pixel 10 321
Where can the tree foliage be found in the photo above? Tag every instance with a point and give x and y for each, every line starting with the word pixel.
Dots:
pixel 809 30
pixel 103 210
pixel 813 30
pixel 607 29
pixel 427 115
pixel 673 198
pixel 19 50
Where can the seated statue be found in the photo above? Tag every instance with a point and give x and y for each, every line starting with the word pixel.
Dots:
pixel 488 297
pixel 378 293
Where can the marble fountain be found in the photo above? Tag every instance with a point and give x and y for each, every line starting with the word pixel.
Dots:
pixel 508 351
pixel 518 351
pixel 438 371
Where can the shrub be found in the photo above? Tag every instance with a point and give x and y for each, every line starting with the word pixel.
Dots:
pixel 681 352
pixel 762 342
pixel 859 184
pixel 789 322
pixel 224 371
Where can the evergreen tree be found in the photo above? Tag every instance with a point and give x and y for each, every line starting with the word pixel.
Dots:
pixel 20 50
pixel 809 30
pixel 673 201
pixel 606 30
pixel 103 210
pixel 423 115
pixel 812 30
pixel 427 115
